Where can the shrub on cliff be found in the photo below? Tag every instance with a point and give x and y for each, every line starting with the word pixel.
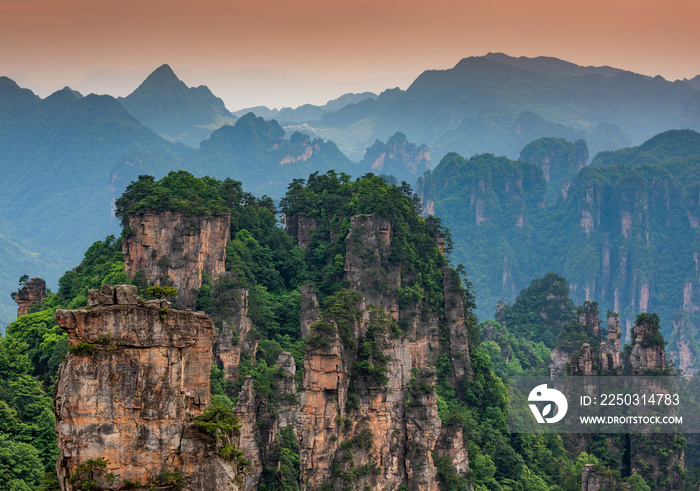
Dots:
pixel 217 421
pixel 161 291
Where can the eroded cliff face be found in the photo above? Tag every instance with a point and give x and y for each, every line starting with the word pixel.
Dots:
pixel 237 335
pixel 681 344
pixel 559 160
pixel 358 424
pixel 594 480
pixel 397 156
pixel 648 353
pixel 128 391
pixel 608 359
pixel 178 248
pixel 611 357
pixel 646 357
pixel 33 292
pixel 618 220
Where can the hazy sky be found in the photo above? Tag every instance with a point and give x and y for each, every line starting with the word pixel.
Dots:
pixel 290 52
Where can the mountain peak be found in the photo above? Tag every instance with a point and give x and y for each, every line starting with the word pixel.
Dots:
pixel 163 75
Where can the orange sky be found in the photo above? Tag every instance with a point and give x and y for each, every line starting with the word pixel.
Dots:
pixel 337 46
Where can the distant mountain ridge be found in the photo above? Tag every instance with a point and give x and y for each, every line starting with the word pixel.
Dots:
pixel 552 67
pixel 255 152
pixel 498 104
pixel 63 159
pixel 177 112
pixel 66 158
pixel 397 157
pixel 307 112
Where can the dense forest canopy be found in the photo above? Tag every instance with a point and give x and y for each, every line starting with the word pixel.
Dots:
pixel 262 258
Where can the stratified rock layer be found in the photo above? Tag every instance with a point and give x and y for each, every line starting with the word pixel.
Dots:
pixel 175 247
pixel 137 375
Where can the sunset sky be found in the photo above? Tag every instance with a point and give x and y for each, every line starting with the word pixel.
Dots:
pixel 278 53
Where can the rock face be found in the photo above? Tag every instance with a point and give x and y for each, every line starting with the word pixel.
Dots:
pixel 128 390
pixel 681 346
pixel 559 358
pixel 647 357
pixel 301 227
pixel 611 359
pixel 648 352
pixel 309 309
pixel 368 241
pixel 608 359
pixel 33 292
pixel 236 333
pixel 354 426
pixel 595 481
pixel 174 248
pixel 397 157
pixel 559 160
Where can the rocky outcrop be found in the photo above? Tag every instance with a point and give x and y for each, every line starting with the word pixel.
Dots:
pixel 237 335
pixel 588 316
pixel 648 353
pixel 361 426
pixel 611 359
pixel 135 377
pixel 301 227
pixel 32 293
pixel 593 479
pixel 309 309
pixel 366 266
pixel 455 316
pixel 586 361
pixel 397 157
pixel 560 358
pixel 173 248
pixel 246 411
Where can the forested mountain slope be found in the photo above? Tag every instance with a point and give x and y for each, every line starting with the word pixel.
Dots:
pixel 622 234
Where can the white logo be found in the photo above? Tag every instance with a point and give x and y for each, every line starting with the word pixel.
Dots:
pixel 555 398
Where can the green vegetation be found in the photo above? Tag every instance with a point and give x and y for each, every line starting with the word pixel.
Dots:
pixel 333 199
pixel 30 353
pixel 513 356
pixel 541 310
pixel 286 478
pixel 178 191
pixel 82 349
pixel 89 473
pixel 262 260
pixel 559 159
pixel 492 206
pixel 161 291
pixel 217 421
pixel 174 480
pixel 623 226
pixel 652 337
